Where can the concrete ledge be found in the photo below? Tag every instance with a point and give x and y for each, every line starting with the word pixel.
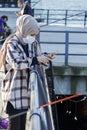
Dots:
pixel 70 70
pixel 70 80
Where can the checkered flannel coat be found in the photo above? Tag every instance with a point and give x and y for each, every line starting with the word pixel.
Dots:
pixel 14 85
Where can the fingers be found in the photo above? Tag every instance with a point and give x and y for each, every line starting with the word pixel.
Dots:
pixel 18 13
pixel 52 55
pixel 45 59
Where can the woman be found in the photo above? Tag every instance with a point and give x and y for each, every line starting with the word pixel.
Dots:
pixel 2 29
pixel 16 58
pixel 25 8
pixel 6 27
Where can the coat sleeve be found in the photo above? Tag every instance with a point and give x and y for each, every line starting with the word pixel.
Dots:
pixel 16 58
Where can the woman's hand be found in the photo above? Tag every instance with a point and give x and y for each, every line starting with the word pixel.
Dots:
pixel 52 55
pixel 18 13
pixel 45 59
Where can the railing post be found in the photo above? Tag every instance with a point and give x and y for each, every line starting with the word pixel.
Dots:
pixel 66 17
pixel 38 37
pixel 85 16
pixel 66 47
pixel 47 16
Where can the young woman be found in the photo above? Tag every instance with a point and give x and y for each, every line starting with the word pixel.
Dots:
pixel 16 58
pixel 25 8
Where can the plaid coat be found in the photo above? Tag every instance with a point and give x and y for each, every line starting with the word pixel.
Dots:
pixel 14 85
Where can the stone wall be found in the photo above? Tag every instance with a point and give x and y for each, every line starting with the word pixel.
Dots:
pixel 70 80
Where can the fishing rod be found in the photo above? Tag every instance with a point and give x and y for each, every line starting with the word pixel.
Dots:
pixel 4 121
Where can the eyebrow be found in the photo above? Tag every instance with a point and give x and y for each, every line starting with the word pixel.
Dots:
pixel 33 34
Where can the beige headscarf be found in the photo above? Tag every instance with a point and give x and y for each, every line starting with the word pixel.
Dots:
pixel 25 25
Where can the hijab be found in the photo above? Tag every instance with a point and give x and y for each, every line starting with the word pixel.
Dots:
pixel 25 25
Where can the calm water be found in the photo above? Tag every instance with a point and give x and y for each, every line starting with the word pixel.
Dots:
pixel 62 4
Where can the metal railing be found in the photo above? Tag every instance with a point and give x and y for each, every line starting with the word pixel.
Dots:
pixel 56 16
pixel 40 117
pixel 69 46
pixel 64 17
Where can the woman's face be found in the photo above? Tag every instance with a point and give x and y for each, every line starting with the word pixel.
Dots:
pixel 20 5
